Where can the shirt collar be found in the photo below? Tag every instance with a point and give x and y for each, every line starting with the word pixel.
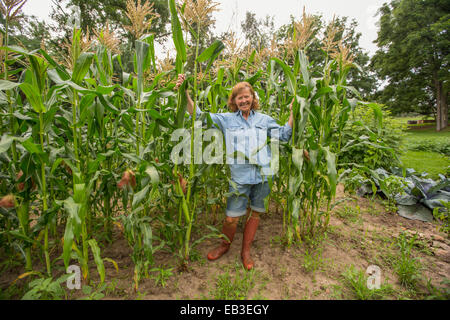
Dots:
pixel 239 112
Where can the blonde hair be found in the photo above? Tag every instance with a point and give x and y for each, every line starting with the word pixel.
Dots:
pixel 237 89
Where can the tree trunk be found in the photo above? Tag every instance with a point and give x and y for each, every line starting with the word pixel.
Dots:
pixel 442 107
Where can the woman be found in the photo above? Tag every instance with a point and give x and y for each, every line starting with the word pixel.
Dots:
pixel 249 182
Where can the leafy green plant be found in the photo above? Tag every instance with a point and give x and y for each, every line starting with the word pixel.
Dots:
pixel 356 280
pixel 407 267
pixel 46 289
pixel 443 215
pixel 392 186
pixel 430 145
pixel 312 259
pixel 162 275
pixel 438 293
pixel 350 213
pixel 93 293
pixel 138 232
pixel 354 179
pixel 237 287
pixel 363 127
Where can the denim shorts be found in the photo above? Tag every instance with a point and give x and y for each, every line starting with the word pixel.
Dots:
pixel 256 193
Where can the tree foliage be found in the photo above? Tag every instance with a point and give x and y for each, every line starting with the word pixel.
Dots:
pixel 258 33
pixel 96 13
pixel 340 29
pixel 413 56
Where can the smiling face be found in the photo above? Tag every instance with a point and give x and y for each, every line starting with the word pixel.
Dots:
pixel 244 100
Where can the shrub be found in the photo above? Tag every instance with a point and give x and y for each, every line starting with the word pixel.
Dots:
pixel 442 215
pixel 430 145
pixel 363 126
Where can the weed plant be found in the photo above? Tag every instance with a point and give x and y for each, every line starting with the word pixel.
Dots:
pixel 407 267
pixel 356 281
pixel 234 287
pixel 443 216
pixel 349 213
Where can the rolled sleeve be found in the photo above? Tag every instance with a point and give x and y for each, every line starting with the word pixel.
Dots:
pixel 283 133
pixel 216 118
pixel 198 112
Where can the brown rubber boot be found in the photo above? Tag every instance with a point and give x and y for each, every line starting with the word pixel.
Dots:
pixel 229 229
pixel 249 235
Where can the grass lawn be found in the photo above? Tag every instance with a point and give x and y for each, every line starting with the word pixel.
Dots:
pixel 428 133
pixel 426 161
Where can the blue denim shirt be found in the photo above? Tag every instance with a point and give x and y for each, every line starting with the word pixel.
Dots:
pixel 249 138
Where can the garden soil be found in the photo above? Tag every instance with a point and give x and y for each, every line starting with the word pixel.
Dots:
pixel 295 273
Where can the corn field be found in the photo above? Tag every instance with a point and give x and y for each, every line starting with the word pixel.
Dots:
pixel 86 148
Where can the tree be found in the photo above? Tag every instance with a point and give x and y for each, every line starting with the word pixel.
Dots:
pixel 258 33
pixel 112 15
pixel 96 13
pixel 327 36
pixel 413 56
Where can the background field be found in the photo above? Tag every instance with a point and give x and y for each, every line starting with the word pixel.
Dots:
pixel 420 151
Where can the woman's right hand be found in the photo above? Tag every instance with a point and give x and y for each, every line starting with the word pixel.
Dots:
pixel 181 78
pixel 190 103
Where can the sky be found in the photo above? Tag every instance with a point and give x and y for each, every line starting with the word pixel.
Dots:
pixel 232 12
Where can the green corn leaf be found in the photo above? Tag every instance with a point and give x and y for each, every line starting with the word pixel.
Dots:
pixel 294 184
pixel 297 63
pixel 79 193
pixel 82 66
pixel 378 115
pixel 297 158
pixel 296 207
pixel 19 235
pixel 16 49
pixel 290 78
pixel 177 32
pixel 304 68
pixel 220 74
pixel 73 228
pixel 38 68
pixel 105 101
pixel 142 53
pixel 331 166
pixel 313 155
pixel 63 74
pixel 147 240
pixel 8 85
pixel 182 105
pixel 321 92
pixel 211 52
pixel 98 259
pixel 140 196
pixel 153 173
pixel 68 241
pixel 31 147
pixel 151 56
pixel 33 97
pixel 252 80
pixel 6 141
